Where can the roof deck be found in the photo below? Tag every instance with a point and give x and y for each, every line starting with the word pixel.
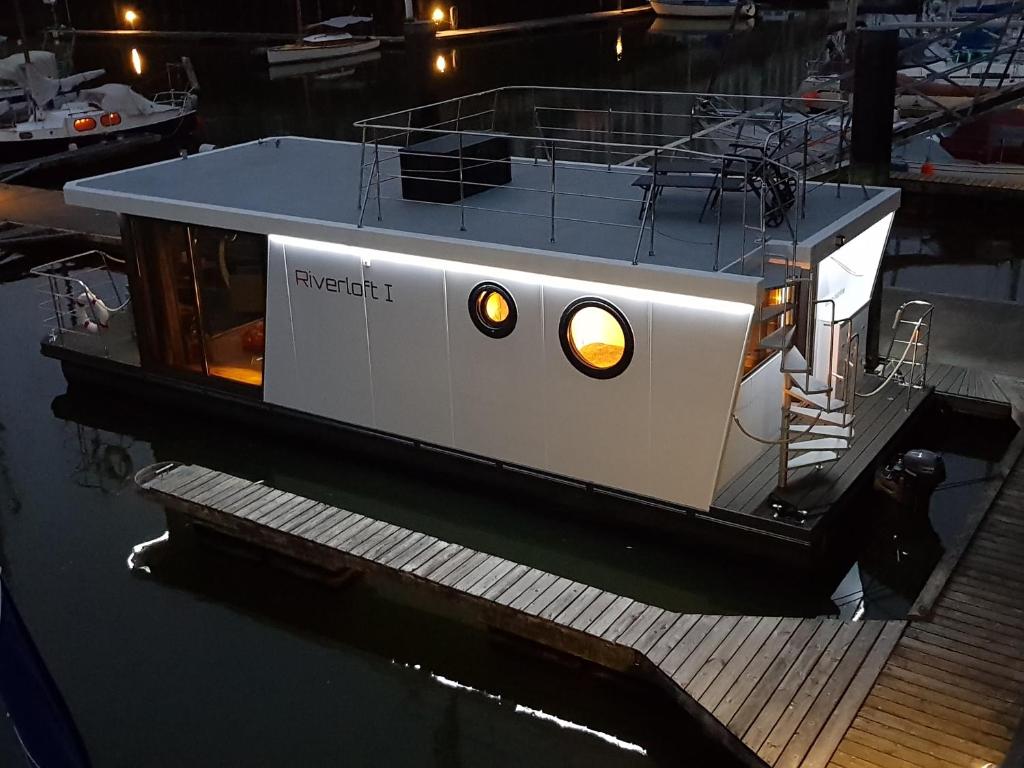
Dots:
pixel 576 187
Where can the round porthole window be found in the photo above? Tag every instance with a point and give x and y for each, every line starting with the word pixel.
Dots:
pixel 596 338
pixel 492 310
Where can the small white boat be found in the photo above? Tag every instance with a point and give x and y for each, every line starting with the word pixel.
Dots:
pixel 330 42
pixel 56 114
pixel 705 9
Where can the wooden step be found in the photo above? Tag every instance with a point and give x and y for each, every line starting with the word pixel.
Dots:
pixel 793 362
pixel 820 444
pixel 824 417
pixel 774 310
pixel 780 339
pixel 827 430
pixel 810 385
pixel 820 401
pixel 812 458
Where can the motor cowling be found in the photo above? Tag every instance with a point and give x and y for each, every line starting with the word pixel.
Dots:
pixel 912 477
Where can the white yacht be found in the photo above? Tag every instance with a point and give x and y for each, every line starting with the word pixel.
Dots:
pixel 56 114
pixel 328 40
pixel 625 297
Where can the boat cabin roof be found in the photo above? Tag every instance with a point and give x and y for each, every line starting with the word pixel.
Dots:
pixel 586 204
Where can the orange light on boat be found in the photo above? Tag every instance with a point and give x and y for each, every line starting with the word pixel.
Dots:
pixel 84 123
pixel 110 119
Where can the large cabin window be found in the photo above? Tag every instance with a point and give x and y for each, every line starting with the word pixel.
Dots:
pixel 205 290
pixel 231 276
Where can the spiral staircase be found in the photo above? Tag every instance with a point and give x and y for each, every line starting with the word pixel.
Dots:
pixel 817 413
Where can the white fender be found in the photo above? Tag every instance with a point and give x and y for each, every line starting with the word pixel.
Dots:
pixel 96 311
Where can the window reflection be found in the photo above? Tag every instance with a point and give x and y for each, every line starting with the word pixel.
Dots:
pixel 231 280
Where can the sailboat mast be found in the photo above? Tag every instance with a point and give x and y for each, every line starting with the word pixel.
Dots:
pixel 21 30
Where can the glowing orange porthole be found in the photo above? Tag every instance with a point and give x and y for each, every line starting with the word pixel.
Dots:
pixel 492 310
pixel 84 123
pixel 110 119
pixel 596 338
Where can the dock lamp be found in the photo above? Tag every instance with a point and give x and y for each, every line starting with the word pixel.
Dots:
pixel 130 17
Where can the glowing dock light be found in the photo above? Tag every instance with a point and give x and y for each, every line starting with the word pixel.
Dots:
pixel 437 15
pixel 131 17
pixel 136 61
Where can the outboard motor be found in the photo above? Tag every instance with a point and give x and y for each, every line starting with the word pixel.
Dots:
pixel 911 478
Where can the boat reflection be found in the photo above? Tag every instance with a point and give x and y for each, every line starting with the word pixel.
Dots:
pixel 328 69
pixel 106 462
pixel 698 29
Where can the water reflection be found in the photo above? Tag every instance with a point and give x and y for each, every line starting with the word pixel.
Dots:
pixel 448 677
pixel 106 462
pixel 243 99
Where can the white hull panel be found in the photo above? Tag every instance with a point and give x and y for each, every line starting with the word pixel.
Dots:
pixel 402 356
pixel 290 54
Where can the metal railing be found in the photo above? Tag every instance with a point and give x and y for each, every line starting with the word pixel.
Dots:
pixel 67 308
pixel 912 351
pixel 768 146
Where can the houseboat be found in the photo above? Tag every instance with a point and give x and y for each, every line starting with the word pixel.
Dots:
pixel 635 294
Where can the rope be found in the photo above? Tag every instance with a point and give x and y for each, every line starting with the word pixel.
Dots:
pixel 910 345
pixel 783 441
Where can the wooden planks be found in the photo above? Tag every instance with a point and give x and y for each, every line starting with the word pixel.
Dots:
pixel 967 383
pixel 776 689
pixel 952 691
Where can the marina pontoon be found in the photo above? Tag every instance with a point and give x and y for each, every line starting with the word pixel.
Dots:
pixel 634 292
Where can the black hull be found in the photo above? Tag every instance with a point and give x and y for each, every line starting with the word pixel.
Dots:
pixel 36 149
pixel 565 495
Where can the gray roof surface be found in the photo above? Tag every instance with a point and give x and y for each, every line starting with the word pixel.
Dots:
pixel 597 210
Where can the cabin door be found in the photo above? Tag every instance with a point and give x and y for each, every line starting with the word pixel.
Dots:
pixel 203 300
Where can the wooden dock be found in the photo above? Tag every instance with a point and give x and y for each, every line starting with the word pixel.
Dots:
pixel 45 208
pixel 775 691
pixel 970 386
pixel 940 692
pixel 1002 187
pixel 952 692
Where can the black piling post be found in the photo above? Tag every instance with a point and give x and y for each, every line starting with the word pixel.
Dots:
pixel 874 98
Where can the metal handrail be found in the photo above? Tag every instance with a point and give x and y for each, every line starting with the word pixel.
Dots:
pixel 56 273
pixel 599 148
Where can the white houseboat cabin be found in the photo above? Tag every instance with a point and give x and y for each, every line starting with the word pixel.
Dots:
pixel 626 290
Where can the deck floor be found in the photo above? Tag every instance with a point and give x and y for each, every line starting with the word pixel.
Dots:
pixel 777 691
pixel 280 182
pixel 877 421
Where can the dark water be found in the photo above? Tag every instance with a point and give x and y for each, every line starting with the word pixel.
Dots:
pixel 186 653
pixel 242 99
